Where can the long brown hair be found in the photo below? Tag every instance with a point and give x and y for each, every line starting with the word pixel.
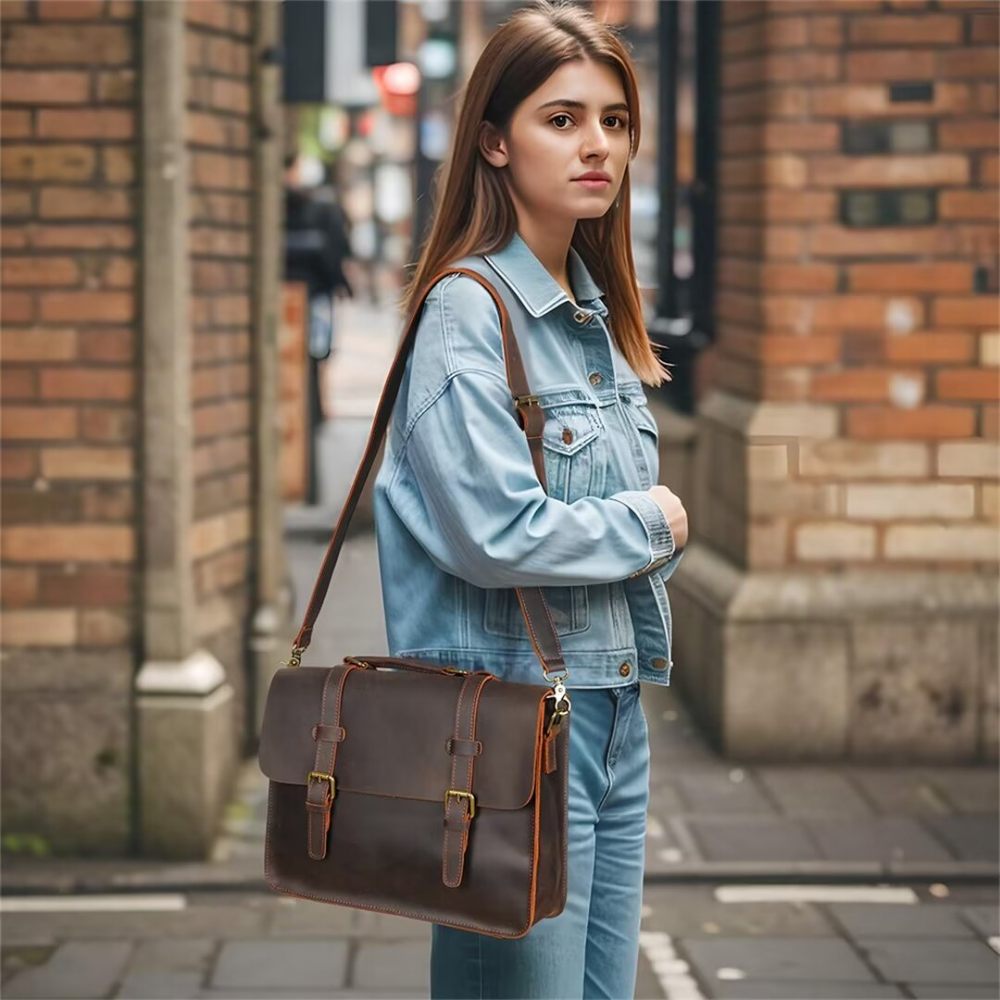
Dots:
pixel 474 213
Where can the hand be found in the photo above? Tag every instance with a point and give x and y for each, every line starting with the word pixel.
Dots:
pixel 674 512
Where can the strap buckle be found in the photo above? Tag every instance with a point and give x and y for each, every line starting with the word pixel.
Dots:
pixel 322 776
pixel 527 399
pixel 463 795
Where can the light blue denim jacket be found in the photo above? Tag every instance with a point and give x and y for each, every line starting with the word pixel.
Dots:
pixel 461 517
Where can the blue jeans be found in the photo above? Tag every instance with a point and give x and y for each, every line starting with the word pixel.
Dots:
pixel 591 949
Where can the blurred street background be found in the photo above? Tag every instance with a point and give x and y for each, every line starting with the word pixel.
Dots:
pixel 187 392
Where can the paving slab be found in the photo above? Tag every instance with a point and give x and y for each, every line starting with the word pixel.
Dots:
pixel 920 920
pixel 692 911
pixel 777 958
pixel 887 838
pixel 166 970
pixel 722 790
pixel 950 991
pixel 943 961
pixel 75 969
pixel 984 919
pixel 304 964
pixel 970 838
pixel 801 989
pixel 392 964
pixel 748 839
pixel 812 791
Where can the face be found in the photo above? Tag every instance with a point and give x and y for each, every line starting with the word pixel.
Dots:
pixel 575 123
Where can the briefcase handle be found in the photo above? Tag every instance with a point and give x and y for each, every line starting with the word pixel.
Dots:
pixel 534 607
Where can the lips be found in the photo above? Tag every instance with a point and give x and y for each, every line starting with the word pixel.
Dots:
pixel 594 175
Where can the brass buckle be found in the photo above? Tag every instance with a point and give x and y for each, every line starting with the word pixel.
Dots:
pixel 527 399
pixel 464 795
pixel 324 777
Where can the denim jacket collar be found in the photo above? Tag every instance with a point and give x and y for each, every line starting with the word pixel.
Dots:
pixel 535 287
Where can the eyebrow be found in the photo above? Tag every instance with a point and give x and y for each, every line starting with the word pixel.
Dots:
pixel 562 102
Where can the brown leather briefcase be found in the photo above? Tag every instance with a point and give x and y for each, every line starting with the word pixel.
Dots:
pixel 406 787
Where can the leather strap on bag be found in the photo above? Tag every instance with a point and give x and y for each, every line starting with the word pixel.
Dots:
pixel 534 607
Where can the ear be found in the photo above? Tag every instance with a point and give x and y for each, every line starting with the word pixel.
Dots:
pixel 492 145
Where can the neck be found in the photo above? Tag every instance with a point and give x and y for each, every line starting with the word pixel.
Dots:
pixel 550 244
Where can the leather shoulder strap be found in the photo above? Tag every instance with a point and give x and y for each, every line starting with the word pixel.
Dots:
pixel 541 630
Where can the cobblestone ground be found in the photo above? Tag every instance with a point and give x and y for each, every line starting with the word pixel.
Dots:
pixel 762 881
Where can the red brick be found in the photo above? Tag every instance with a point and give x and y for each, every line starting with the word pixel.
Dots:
pixel 87 463
pixel 88 383
pixel 88 306
pixel 107 345
pixel 984 29
pixel 89 123
pixel 104 627
pixel 118 164
pixel 897 29
pixel 34 87
pixel 967 205
pixel 116 86
pixel 990 422
pixel 886 65
pixel 108 502
pixel 109 424
pixel 83 203
pixel 968 383
pixel 38 345
pixel 47 163
pixel 38 423
pixel 857 384
pixel 17 307
pixel 946 347
pixel 39 271
pixel 98 236
pixel 15 124
pixel 888 171
pixel 208 13
pixel 974 310
pixel 67 44
pixel 99 543
pixel 925 422
pixel 968 133
pixel 18 464
pixel 963 64
pixel 940 276
pixel 15 202
pixel 85 586
pixel 989 169
pixel 70 10
pixel 18 384
pixel 18 586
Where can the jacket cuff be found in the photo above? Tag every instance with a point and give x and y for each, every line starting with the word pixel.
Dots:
pixel 661 538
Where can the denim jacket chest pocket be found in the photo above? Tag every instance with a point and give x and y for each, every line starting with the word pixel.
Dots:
pixel 574 450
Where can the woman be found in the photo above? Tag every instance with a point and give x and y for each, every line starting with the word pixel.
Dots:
pixel 461 516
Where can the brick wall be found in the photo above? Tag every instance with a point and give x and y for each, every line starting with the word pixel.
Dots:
pixel 218 37
pixel 72 409
pixel 69 315
pixel 857 284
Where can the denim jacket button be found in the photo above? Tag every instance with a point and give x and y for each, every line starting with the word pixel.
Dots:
pixel 596 378
pixel 625 669
pixel 659 663
pixel 567 435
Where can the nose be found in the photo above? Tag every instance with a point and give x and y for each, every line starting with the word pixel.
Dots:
pixel 596 142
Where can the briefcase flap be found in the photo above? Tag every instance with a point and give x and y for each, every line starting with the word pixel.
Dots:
pixel 397 724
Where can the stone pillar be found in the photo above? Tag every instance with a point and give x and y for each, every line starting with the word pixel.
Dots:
pixel 186 734
pixel 839 599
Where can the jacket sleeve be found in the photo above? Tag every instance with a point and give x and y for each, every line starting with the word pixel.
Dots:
pixel 467 490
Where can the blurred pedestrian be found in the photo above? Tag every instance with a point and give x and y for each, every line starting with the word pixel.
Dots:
pixel 317 243
pixel 536 191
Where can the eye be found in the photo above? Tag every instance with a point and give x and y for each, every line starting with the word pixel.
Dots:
pixel 552 120
pixel 621 119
